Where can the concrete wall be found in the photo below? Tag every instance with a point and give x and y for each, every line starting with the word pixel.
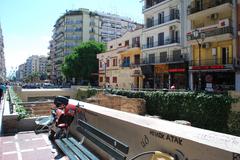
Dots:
pixel 147 134
pixel 235 106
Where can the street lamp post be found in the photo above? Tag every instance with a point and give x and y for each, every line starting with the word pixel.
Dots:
pixel 199 37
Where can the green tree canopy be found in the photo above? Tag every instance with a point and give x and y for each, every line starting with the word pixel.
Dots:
pixel 82 63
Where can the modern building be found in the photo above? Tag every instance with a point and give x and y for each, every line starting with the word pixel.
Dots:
pixel 119 67
pixel 114 26
pixel 20 74
pixel 213 36
pixel 238 48
pixel 2 58
pixel 77 26
pixel 33 64
pixel 165 51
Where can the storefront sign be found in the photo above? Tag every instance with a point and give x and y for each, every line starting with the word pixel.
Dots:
pixel 177 70
pixel 160 68
pixel 207 67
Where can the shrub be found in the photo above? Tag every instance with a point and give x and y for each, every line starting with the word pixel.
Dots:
pixel 203 110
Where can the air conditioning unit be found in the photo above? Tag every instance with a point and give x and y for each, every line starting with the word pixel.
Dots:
pixel 172 27
pixel 223 23
pixel 214 16
pixel 206 45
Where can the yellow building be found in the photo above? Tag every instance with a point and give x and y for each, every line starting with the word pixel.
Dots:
pixel 119 67
pixel 213 44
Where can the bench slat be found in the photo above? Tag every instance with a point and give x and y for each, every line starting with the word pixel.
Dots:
pixel 110 140
pixel 83 149
pixel 65 150
pixel 75 149
pixel 100 144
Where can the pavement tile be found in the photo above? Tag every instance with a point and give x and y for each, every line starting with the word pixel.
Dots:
pixel 8 147
pixel 10 157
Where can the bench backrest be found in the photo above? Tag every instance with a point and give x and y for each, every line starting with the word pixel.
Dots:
pixel 112 146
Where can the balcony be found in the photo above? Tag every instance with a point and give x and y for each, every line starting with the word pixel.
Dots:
pixel 210 8
pixel 210 34
pixel 162 21
pixel 180 58
pixel 212 62
pixel 158 43
pixel 151 4
pixel 205 6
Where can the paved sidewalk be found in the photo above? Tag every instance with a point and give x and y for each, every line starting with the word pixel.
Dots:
pixel 26 146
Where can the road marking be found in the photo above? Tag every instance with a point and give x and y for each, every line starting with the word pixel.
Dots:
pixel 41 148
pixel 7 142
pixel 35 139
pixel 11 152
pixel 27 150
pixel 18 151
pixel 45 137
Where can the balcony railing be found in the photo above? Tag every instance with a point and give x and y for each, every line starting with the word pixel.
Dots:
pixel 151 5
pixel 211 62
pixel 162 21
pixel 136 64
pixel 213 32
pixel 211 4
pixel 168 59
pixel 158 43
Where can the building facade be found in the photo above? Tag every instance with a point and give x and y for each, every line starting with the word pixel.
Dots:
pixel 33 64
pixel 2 58
pixel 213 36
pixel 165 51
pixel 119 67
pixel 77 26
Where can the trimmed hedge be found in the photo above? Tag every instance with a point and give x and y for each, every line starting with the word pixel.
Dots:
pixel 84 94
pixel 203 110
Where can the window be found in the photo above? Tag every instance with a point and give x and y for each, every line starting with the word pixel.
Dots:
pixel 163 56
pixel 115 62
pixel 108 79
pixel 108 62
pixel 151 58
pixel 100 79
pixel 127 43
pixel 136 42
pixel 126 62
pixel 114 80
pixel 137 59
pixel 111 47
pixel 161 18
pixel 149 42
pixel 119 44
pixel 161 39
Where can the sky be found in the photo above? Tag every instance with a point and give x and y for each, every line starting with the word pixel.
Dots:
pixel 27 24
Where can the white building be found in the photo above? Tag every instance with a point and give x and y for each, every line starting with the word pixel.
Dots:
pixel 164 43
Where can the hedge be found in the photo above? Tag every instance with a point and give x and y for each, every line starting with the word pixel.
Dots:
pixel 203 110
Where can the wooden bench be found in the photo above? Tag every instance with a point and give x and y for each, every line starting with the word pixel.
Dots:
pixel 74 150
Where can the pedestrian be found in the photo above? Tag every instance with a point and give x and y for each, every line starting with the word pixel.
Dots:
pixel 1 94
pixel 173 87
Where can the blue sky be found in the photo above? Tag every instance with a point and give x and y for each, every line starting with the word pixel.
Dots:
pixel 27 24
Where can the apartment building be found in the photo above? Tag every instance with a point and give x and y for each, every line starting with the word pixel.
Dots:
pixel 213 33
pixel 114 26
pixel 33 64
pixel 77 26
pixel 2 58
pixel 165 52
pixel 119 67
pixel 238 48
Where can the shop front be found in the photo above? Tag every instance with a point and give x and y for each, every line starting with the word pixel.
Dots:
pixel 161 76
pixel 148 72
pixel 213 78
pixel 178 75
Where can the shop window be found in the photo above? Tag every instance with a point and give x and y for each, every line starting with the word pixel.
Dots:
pixel 114 80
pixel 100 79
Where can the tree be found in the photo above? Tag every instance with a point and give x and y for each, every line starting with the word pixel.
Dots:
pixel 82 63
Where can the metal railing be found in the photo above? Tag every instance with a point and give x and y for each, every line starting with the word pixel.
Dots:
pixel 151 5
pixel 210 62
pixel 168 59
pixel 162 21
pixel 213 32
pixel 211 4
pixel 161 43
